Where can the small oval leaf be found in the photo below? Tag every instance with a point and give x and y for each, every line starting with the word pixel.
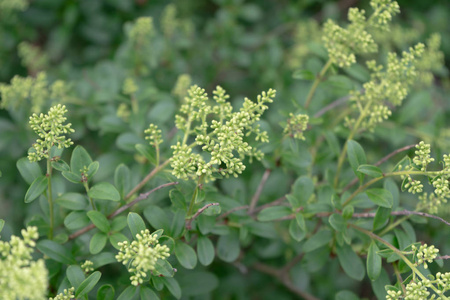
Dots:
pixel 104 191
pixel 36 189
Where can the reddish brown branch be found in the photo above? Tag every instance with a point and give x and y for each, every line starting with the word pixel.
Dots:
pixel 121 209
pixel 259 191
pixel 189 221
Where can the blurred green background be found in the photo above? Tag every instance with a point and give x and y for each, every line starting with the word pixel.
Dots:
pixel 244 46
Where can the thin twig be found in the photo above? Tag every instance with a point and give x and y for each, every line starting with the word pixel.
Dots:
pixel 403 213
pixel 355 181
pixel 120 209
pixel 443 257
pixel 140 198
pixel 226 214
pixel 292 263
pixel 332 105
pixel 146 179
pixel 270 204
pixel 259 191
pixel 189 221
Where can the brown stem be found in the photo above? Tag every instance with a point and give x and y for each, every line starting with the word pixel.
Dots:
pixel 226 214
pixel 332 105
pixel 121 209
pixel 146 179
pixel 189 221
pixel 403 213
pixel 255 198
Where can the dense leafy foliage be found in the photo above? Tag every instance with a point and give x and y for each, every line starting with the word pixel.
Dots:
pixel 224 150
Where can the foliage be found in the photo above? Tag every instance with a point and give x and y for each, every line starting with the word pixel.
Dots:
pixel 153 189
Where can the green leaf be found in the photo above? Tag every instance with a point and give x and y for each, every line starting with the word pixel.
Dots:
pixel 105 292
pixel 147 293
pixel 98 242
pixel 300 221
pixel 228 247
pixel 72 201
pixel 296 232
pixel 350 262
pixel 104 191
pixel 205 250
pixel 122 180
pixel 178 223
pixel 56 252
pixel 79 160
pixel 76 220
pixel 60 165
pixel 36 189
pixel 164 268
pixel 157 217
pixel 72 177
pixel 302 189
pixel 337 222
pixel 128 293
pixel 135 223
pixel 127 141
pixel 173 286
pixel 381 217
pixel 199 195
pixel 75 275
pixel 117 237
pixel 303 75
pixel 103 259
pixel 88 284
pixel 148 152
pixel 185 255
pixel 177 199
pixel 92 169
pixel 2 223
pixel 29 170
pixel 212 210
pixel 370 170
pixel 356 157
pixel 378 286
pixel 373 262
pixel 118 223
pixel 273 213
pixel 318 240
pixel 346 295
pixel 381 197
pixel 99 220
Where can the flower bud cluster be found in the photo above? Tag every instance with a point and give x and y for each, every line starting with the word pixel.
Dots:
pixel 20 276
pixel 142 31
pixel 51 130
pixel 390 84
pixel 306 31
pixel 422 158
pixel 33 57
pixel 87 266
pixel 343 44
pixel 431 60
pixel 296 125
pixel 67 294
pixel 129 87
pixel 223 139
pixel 153 135
pixel 425 254
pixel 141 255
pixel 181 85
